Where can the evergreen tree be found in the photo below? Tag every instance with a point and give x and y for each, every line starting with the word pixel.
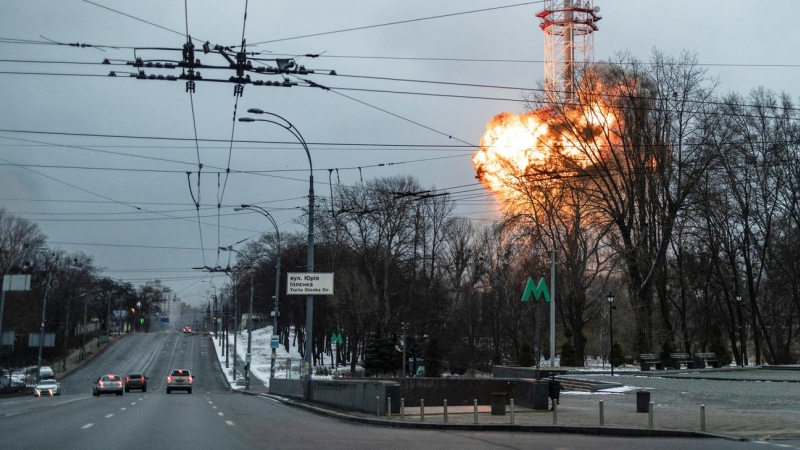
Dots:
pixel 526 356
pixel 616 357
pixel 568 355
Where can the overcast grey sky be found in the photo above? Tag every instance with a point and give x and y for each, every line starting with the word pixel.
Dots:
pixel 130 197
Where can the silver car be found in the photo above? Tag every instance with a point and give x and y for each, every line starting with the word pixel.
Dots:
pixel 108 384
pixel 180 380
pixel 47 387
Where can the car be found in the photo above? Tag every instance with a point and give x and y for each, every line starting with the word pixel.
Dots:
pixel 136 381
pixel 46 373
pixel 180 380
pixel 47 387
pixel 187 330
pixel 108 384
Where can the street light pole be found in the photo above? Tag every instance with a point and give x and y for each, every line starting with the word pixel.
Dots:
pixel 611 308
pixel 66 332
pixel 310 251
pixel 44 311
pixel 275 312
pixel 249 319
pixel 738 298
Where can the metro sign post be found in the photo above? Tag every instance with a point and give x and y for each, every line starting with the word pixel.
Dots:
pixel 538 291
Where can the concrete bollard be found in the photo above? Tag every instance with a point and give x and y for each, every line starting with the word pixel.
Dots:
pixel 389 408
pixel 602 420
pixel 650 414
pixel 445 410
pixel 512 411
pixel 378 406
pixel 555 413
pixel 702 417
pixel 475 410
pixel 402 409
pixel 422 410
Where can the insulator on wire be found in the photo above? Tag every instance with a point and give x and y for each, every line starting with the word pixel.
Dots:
pixel 190 86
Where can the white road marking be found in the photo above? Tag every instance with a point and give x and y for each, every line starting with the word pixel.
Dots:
pixel 210 402
pixel 133 403
pixel 109 415
pixel 214 407
pixel 229 422
pixel 87 425
pixel 123 408
pixel 220 414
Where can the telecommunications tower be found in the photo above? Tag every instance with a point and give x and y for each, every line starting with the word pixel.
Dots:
pixel 569 27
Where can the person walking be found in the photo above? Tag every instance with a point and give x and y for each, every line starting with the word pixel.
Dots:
pixel 554 390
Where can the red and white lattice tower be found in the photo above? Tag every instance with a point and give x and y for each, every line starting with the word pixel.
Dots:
pixel 569 27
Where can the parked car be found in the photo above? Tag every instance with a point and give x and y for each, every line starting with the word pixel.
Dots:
pixel 47 387
pixel 136 381
pixel 12 382
pixel 180 380
pixel 108 384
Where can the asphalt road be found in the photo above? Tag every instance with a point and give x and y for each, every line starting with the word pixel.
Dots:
pixel 214 417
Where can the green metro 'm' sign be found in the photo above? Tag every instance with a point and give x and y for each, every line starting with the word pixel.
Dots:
pixel 536 289
pixel 336 339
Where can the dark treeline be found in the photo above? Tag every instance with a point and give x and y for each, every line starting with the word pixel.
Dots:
pixel 673 197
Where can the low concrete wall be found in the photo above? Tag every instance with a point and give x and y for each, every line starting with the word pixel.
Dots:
pixel 357 395
pixel 464 391
pixel 288 388
pixel 524 372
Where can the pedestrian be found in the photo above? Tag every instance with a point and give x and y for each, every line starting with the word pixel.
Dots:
pixel 554 389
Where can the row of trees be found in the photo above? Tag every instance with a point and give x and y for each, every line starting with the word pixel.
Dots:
pixel 676 199
pixel 74 288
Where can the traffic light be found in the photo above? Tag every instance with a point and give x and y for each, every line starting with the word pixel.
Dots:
pixel 141 320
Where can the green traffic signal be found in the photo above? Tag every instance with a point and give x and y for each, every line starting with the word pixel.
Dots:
pixel 141 320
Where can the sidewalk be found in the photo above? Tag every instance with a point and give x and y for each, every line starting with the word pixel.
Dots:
pixel 74 362
pixel 737 404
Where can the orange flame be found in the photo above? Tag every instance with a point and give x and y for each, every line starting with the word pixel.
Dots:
pixel 514 147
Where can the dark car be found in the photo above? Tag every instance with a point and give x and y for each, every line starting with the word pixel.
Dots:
pixel 108 384
pixel 136 381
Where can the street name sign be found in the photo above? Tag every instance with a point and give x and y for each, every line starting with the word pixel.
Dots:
pixel 313 283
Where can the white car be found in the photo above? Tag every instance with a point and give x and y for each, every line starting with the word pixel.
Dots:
pixel 47 387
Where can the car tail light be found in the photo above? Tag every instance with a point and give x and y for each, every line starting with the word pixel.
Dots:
pixel 169 378
pixel 127 380
pixel 119 383
pixel 100 383
pixel 189 378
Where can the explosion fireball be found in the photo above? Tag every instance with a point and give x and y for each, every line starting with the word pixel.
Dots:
pixel 515 147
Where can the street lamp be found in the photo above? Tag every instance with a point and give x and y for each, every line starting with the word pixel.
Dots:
pixel 738 298
pixel 66 331
pixel 44 312
pixel 275 312
pixel 310 258
pixel 611 308
pixel 248 357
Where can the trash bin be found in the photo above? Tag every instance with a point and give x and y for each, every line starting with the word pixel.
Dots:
pixel 642 401
pixel 498 403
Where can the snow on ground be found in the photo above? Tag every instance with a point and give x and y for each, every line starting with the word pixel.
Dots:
pixel 261 353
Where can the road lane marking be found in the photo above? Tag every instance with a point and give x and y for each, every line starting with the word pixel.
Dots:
pixel 87 425
pixel 123 408
pixel 214 407
pixel 109 415
pixel 229 422
pixel 220 414
pixel 133 403
pixel 210 402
